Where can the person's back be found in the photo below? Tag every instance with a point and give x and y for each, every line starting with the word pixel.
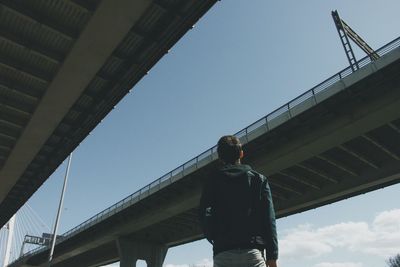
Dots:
pixel 237 213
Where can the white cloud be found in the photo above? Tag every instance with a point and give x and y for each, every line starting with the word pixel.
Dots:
pixel 338 264
pixel 301 242
pixel 381 238
pixel 204 263
pixel 386 221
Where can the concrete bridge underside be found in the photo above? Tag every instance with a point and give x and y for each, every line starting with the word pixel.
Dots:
pixel 345 145
pixel 64 65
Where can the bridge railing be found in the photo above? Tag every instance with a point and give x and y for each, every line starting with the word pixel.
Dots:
pixel 282 114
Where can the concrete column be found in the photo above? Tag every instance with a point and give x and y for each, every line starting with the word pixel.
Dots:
pixel 130 251
pixel 127 255
pixel 157 255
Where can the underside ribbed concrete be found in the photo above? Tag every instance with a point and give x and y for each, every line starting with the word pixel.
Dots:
pixel 96 43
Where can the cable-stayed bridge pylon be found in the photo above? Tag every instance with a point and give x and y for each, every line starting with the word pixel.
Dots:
pixel 25 231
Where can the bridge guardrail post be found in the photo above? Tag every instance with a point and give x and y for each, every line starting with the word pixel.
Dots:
pixel 266 124
pixel 313 96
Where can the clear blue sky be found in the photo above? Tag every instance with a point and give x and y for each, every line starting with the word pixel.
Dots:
pixel 242 60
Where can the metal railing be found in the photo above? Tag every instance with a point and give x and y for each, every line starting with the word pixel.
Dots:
pixel 280 115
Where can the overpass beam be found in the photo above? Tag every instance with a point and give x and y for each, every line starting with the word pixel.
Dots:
pixel 130 251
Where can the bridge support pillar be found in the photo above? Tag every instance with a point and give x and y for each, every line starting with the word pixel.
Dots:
pixel 131 251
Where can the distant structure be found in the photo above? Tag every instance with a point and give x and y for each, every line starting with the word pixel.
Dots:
pixel 346 32
pixel 23 232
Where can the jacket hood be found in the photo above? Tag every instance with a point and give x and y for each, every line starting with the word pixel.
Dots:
pixel 233 171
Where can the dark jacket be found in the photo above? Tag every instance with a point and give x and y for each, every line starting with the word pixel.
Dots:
pixel 239 202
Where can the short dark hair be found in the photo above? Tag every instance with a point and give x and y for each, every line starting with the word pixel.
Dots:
pixel 229 148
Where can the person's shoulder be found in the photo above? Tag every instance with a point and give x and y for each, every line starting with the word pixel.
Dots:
pixel 257 175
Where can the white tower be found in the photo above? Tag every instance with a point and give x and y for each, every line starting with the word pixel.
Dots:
pixel 10 227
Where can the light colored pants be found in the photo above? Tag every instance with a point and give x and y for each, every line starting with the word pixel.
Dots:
pixel 239 258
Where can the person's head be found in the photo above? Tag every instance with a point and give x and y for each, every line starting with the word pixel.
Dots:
pixel 229 149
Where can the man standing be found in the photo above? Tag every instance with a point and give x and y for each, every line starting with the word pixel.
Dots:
pixel 237 212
